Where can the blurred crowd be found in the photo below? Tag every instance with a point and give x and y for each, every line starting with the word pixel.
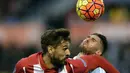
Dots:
pixel 23 21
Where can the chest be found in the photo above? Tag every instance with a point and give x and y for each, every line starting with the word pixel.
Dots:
pixel 37 69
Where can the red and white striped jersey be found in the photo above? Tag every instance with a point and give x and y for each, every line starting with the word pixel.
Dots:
pixel 32 64
pixel 35 64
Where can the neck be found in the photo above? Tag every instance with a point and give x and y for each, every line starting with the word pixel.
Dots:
pixel 47 61
pixel 81 54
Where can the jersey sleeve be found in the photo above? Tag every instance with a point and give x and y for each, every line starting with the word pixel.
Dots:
pixel 94 61
pixel 20 67
pixel 76 65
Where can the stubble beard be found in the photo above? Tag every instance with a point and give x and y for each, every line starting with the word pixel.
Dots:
pixel 57 63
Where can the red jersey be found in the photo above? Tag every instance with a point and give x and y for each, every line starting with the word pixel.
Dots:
pixel 35 64
pixel 91 62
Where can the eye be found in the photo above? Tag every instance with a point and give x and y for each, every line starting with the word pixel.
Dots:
pixel 93 40
pixel 65 48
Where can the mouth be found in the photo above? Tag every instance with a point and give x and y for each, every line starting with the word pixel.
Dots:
pixel 65 58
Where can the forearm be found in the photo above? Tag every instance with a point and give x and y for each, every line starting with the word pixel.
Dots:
pixel 94 61
pixel 102 62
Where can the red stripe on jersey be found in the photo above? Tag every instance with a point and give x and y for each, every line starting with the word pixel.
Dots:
pixel 41 61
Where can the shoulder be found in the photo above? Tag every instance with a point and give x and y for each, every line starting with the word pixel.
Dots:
pixel 20 65
pixel 76 62
pixel 77 65
pixel 24 62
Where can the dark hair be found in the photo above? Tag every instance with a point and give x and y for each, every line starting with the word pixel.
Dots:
pixel 104 41
pixel 54 37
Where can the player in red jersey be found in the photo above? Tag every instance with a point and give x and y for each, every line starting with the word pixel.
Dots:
pixel 55 44
pixel 95 43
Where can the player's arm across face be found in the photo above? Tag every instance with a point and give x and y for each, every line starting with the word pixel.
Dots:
pixel 94 61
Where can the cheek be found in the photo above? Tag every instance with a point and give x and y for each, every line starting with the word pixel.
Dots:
pixel 93 46
pixel 60 55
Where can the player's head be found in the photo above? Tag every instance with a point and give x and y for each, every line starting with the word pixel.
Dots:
pixel 56 44
pixel 94 44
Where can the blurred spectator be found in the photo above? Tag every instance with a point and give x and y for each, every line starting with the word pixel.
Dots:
pixel 118 14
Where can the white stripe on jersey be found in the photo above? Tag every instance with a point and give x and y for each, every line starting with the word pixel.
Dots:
pixel 98 70
pixel 37 68
pixel 24 69
pixel 72 68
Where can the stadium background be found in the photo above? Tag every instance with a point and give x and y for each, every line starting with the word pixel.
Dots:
pixel 23 21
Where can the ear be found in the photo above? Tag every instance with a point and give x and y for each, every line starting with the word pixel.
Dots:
pixel 98 52
pixel 50 49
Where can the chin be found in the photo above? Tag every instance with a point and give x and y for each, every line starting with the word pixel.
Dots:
pixel 58 64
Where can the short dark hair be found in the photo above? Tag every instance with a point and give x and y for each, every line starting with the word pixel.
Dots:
pixel 54 37
pixel 104 41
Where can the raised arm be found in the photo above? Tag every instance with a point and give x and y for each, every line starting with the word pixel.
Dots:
pixel 94 61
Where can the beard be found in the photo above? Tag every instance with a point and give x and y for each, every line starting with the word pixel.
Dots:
pixel 58 63
pixel 86 51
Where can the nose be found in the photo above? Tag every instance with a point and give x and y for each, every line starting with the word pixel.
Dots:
pixel 67 52
pixel 88 39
